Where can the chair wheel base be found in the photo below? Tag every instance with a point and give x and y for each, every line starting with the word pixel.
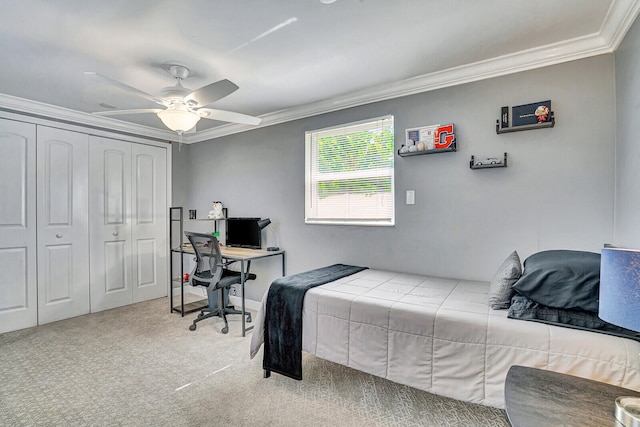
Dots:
pixel 248 318
pixel 192 327
pixel 225 330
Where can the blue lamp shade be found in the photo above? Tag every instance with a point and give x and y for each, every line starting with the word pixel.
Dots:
pixel 620 287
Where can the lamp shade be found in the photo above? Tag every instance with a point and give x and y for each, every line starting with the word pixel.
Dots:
pixel 620 287
pixel 178 120
pixel 263 223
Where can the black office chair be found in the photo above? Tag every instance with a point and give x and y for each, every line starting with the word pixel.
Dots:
pixel 212 273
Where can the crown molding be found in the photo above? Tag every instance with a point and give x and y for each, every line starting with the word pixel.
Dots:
pixel 619 18
pixel 508 64
pixel 65 115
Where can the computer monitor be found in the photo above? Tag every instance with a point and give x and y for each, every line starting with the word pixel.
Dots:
pixel 243 233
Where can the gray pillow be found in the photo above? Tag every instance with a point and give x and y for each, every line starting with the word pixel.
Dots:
pixel 500 291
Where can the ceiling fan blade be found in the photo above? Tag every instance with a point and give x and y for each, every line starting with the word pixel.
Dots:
pixel 121 112
pixel 211 92
pixel 228 116
pixel 125 87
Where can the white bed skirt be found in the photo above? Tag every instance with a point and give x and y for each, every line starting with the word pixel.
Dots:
pixel 439 335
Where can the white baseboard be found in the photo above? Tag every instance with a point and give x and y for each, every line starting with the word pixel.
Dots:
pixel 249 303
pixel 195 290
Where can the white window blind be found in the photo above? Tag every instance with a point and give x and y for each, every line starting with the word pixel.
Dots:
pixel 349 174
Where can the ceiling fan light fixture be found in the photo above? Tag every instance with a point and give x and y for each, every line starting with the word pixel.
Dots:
pixel 178 120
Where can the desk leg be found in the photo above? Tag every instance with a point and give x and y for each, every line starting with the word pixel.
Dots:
pixel 242 277
pixel 283 265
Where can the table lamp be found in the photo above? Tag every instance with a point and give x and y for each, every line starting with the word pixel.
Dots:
pixel 262 224
pixel 620 305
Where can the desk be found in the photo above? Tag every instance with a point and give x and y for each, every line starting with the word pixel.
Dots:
pixel 539 398
pixel 243 256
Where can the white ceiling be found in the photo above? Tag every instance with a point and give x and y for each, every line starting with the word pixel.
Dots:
pixel 291 58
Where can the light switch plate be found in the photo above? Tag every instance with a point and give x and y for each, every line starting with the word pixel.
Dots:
pixel 411 197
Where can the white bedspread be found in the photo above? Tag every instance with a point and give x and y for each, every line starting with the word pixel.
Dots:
pixel 439 335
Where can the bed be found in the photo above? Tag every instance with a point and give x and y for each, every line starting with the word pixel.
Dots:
pixel 450 337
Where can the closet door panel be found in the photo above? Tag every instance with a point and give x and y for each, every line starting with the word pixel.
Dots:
pixel 115 264
pixel 18 285
pixel 110 229
pixel 63 232
pixel 15 296
pixel 149 228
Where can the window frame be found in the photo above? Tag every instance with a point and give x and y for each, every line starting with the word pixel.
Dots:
pixel 311 190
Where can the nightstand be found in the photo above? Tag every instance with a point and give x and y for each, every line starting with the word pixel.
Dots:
pixel 536 397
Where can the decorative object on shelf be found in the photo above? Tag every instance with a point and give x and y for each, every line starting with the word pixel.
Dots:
pixel 504 117
pixel 530 114
pixel 620 304
pixel 217 212
pixel 526 117
pixel 488 162
pixel 428 140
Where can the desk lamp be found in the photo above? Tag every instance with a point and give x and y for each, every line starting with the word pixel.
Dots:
pixel 620 305
pixel 262 224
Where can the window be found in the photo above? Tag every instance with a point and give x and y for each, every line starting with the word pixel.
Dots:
pixel 349 174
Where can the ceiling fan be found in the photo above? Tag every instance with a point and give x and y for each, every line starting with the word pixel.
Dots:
pixel 183 107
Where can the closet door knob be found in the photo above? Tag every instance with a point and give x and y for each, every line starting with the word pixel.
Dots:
pixel 115 233
pixel 59 235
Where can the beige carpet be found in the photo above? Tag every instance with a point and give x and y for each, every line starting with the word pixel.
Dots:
pixel 140 365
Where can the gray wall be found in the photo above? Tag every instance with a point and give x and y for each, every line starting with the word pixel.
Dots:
pixel 181 177
pixel 627 207
pixel 558 191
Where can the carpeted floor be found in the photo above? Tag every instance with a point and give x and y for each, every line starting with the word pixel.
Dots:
pixel 140 365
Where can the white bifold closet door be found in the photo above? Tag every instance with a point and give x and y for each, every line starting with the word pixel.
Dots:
pixel 128 222
pixel 18 281
pixel 63 230
pixel 149 230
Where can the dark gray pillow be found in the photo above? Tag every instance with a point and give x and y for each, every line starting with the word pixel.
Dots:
pixel 562 279
pixel 508 273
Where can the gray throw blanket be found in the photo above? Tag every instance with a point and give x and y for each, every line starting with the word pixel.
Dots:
pixel 283 317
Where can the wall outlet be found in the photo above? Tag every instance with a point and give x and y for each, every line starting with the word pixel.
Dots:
pixel 233 291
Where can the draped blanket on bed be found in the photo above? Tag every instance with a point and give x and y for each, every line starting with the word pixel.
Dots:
pixel 283 317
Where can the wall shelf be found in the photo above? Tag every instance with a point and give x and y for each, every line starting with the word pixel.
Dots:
pixel 416 153
pixel 215 224
pixel 497 164
pixel 549 124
